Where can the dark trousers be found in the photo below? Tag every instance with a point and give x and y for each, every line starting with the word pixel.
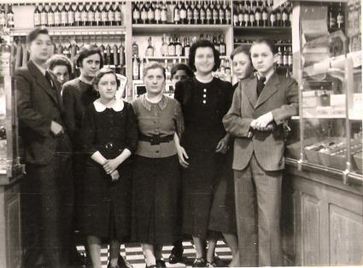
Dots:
pixel 54 198
pixel 258 205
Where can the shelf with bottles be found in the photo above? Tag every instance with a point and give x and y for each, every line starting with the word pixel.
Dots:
pixel 194 12
pixel 162 28
pixel 6 16
pixel 259 14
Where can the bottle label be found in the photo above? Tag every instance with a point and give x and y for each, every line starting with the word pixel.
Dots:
pixel 163 16
pixel 91 16
pixel 157 14
pixel 84 16
pixel 178 50
pixel 104 16
pixel 289 60
pixel 171 50
pixel 222 49
pixel 118 16
pixel 264 16
pixel 278 16
pixel 340 20
pixel 149 52
pixel 221 15
pixel 183 14
pixel 186 51
pixel 252 18
pixel 143 15
pixel 228 15
pixel 164 50
pixel 189 14
pixel 195 14
pixel 97 16
pixel 77 16
pixel 57 18
pixel 176 15
pixel 36 20
pixel 136 14
pixel 215 14
pixel 272 18
pixel 70 16
pixel 284 17
pixel 208 14
pixel 50 18
pixel 202 15
pixel 111 15
pixel 258 16
pixel 64 17
pixel 135 70
pixel 284 59
pixel 43 18
pixel 246 17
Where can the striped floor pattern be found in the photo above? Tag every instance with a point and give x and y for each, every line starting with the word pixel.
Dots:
pixel 133 254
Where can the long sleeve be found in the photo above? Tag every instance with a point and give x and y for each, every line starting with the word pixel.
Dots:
pixel 27 115
pixel 69 110
pixel 131 130
pixel 291 108
pixel 179 120
pixel 233 121
pixel 88 132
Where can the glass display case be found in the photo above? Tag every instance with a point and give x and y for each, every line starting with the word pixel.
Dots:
pixel 331 106
pixel 10 167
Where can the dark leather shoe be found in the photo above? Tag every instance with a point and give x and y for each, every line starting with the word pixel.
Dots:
pixel 160 264
pixel 122 263
pixel 199 262
pixel 175 257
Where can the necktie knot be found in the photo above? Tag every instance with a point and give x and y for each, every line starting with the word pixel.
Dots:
pixel 260 84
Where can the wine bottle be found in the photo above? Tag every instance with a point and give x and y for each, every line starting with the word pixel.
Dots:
pixel 178 47
pixel 215 13
pixel 171 47
pixel 43 16
pixel 202 13
pixel 222 46
pixel 50 15
pixel 91 16
pixel 36 17
pixel 143 14
pixel 164 46
pixel 208 13
pixel 121 54
pixel 150 49
pixel 228 12
pixel 252 17
pixel 135 68
pixel 183 13
pixel 189 13
pixel 136 13
pixel 164 14
pixel 70 15
pixel 273 21
pixel 246 15
pixel 258 16
pixel 196 14
pixel 215 43
pixel 104 15
pixel 264 15
pixel 340 17
pixel 135 49
pixel 157 12
pixel 221 13
pixel 111 15
pixel 177 14
pixel 10 17
pixel 278 17
pixel 284 17
pixel 64 16
pixel 186 49
pixel 78 15
pixel 236 15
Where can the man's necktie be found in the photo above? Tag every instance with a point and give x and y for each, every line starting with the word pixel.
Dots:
pixel 260 85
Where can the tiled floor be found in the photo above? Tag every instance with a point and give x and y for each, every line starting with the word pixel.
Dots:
pixel 134 255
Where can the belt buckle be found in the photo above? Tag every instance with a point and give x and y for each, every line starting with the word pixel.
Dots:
pixel 155 140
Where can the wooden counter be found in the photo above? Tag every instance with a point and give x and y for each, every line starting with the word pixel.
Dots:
pixel 322 219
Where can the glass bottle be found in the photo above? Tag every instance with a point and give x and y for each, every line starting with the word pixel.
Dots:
pixel 157 13
pixel 50 16
pixel 36 17
pixel 177 14
pixel 196 14
pixel 135 49
pixel 136 13
pixel 118 14
pixel 111 15
pixel 178 47
pixel 164 13
pixel 64 15
pixel 189 8
pixel 171 47
pixel 43 16
pixel 151 13
pixel 70 15
pixel 150 49
pixel 340 17
pixel 77 15
pixel 164 46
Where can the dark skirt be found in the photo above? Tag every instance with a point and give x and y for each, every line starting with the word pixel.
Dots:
pixel 107 204
pixel 156 200
pixel 223 211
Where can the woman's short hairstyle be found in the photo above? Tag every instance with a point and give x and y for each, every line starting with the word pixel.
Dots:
pixel 87 51
pixel 101 73
pixel 266 41
pixel 245 49
pixel 203 43
pixel 34 34
pixel 183 67
pixel 59 59
pixel 153 65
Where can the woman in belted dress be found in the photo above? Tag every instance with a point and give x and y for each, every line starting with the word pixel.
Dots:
pixel 156 176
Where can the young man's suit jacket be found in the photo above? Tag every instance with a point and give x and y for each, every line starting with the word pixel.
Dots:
pixel 279 96
pixel 38 104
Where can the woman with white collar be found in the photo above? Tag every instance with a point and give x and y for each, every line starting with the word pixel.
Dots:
pixel 109 138
pixel 156 176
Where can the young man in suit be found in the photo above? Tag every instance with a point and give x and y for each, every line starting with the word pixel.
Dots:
pixel 260 107
pixel 47 149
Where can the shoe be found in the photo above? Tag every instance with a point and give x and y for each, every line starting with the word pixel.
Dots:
pixel 160 264
pixel 175 257
pixel 211 264
pixel 199 262
pixel 122 263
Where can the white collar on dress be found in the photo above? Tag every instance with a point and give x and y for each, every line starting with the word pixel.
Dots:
pixel 117 106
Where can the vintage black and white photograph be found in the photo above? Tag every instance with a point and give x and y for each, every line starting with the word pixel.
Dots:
pixel 180 133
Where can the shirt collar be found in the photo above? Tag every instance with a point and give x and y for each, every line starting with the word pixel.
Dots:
pixel 117 106
pixel 162 103
pixel 268 76
pixel 40 68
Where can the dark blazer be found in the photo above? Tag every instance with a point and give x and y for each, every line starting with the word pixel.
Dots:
pixel 38 104
pixel 280 96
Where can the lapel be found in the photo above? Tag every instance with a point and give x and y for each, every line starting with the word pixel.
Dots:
pixel 250 90
pixel 269 89
pixel 42 81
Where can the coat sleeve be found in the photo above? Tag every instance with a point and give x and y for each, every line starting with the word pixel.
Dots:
pixel 131 129
pixel 28 116
pixel 292 104
pixel 233 121
pixel 69 110
pixel 179 120
pixel 178 93
pixel 88 132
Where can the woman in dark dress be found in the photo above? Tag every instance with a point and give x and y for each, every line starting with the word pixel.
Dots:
pixel 156 176
pixel 204 99
pixel 109 138
pixel 223 214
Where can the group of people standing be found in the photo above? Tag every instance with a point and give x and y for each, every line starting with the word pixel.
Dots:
pixel 159 169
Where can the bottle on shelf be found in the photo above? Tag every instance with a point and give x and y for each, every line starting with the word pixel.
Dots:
pixel 196 13
pixel 258 15
pixel 143 14
pixel 285 16
pixel 157 13
pixel 178 47
pixel 176 17
pixel 227 12
pixel 70 15
pixel 222 46
pixel 63 16
pixel 171 47
pixel 208 13
pixel 10 16
pixel 265 20
pixel 164 46
pixel 182 13
pixel 78 16
pixel 43 16
pixel 51 16
pixel 135 49
pixel 135 68
pixel 189 8
pixel 340 17
pixel 164 13
pixel 36 17
pixel 136 16
pixel 121 54
pixel 150 13
pixel 84 15
pixel 150 49
pixel 186 48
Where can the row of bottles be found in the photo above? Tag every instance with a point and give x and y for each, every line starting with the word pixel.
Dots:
pixel 177 46
pixel 260 13
pixel 335 17
pixel 78 14
pixel 6 16
pixel 242 41
pixel 112 50
pixel 181 12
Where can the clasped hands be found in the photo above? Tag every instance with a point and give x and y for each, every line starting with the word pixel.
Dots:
pixel 110 167
pixel 261 123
